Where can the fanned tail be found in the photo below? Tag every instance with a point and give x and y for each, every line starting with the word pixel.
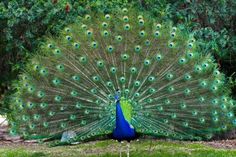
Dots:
pixel 171 89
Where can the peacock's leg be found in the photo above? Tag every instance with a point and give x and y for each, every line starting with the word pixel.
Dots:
pixel 150 146
pixel 121 149
pixel 128 146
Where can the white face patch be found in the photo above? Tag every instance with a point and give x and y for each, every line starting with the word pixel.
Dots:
pixel 131 126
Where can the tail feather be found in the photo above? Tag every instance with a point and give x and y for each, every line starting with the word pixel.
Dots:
pixel 174 90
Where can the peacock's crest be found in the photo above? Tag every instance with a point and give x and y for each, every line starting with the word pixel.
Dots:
pixel 167 87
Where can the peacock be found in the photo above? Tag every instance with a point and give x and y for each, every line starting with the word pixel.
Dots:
pixel 120 75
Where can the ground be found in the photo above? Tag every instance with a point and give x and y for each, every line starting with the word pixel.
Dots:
pixel 108 148
pixel 17 147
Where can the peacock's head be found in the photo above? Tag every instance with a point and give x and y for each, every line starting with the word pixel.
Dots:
pixel 117 95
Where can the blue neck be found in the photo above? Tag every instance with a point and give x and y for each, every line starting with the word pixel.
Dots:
pixel 123 130
pixel 120 119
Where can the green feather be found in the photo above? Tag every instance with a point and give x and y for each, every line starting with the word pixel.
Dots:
pixel 168 88
pixel 126 109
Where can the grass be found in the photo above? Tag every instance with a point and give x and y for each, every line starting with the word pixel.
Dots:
pixel 110 148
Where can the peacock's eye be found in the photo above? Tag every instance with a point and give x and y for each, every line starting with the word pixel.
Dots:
pixel 174 29
pixel 147 42
pixel 124 57
pixel 205 65
pixel 125 10
pixel 158 26
pixel 67 30
pixel 104 24
pixel 50 46
pixel 68 38
pixel 107 16
pixel 126 27
pixel 197 68
pixel 142 33
pixel 118 38
pixel 76 45
pixel 171 44
pixel 105 33
pixel 216 73
pixel 122 79
pixel 109 84
pixel 83 26
pixel 182 60
pixel 137 48
pixel 147 62
pixel 126 91
pixel 190 45
pixel 113 70
pixel 125 19
pixel 83 59
pixel 156 33
pixel 57 51
pixel 192 40
pixel 89 32
pixel 141 22
pixel 133 70
pixel 172 35
pixel 151 78
pixel 137 83
pixel 110 48
pixel 169 76
pixel 140 17
pixel 94 44
pixel 96 78
pixel 100 63
pixel 87 17
pixel 60 67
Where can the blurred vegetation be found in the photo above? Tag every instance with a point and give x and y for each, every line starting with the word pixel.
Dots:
pixel 23 23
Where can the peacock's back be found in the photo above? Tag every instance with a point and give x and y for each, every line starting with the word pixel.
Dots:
pixel 168 88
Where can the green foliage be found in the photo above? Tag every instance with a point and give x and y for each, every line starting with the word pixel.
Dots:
pixel 24 22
